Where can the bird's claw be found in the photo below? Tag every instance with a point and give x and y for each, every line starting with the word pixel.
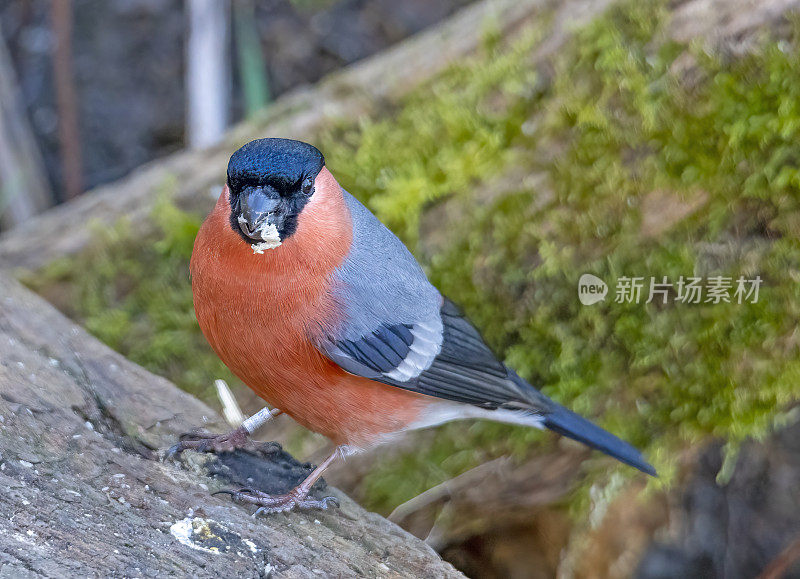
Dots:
pixel 214 443
pixel 279 503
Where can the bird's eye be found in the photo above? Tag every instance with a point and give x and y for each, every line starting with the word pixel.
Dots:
pixel 307 187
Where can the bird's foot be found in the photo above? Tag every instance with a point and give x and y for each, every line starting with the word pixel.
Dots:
pixel 230 441
pixel 214 443
pixel 294 499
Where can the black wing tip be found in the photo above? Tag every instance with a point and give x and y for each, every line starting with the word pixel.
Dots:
pixel 571 425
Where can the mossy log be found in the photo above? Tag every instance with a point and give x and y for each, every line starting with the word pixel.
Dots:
pixel 86 494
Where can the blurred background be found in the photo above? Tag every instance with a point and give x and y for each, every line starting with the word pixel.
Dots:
pixel 514 146
pixel 107 86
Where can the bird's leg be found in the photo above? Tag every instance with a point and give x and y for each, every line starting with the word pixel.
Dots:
pixel 236 438
pixel 295 498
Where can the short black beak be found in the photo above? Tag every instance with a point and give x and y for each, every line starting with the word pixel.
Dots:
pixel 257 205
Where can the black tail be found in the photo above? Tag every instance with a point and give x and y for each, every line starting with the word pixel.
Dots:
pixel 567 423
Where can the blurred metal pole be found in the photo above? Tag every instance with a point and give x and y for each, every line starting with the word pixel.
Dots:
pixel 24 189
pixel 66 98
pixel 208 76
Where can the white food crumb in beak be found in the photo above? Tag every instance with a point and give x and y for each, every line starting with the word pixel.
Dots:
pixel 271 237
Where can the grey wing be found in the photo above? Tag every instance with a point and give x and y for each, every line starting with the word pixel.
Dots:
pixel 400 331
pixel 391 323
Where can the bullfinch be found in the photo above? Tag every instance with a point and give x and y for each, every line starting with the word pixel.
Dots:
pixel 309 299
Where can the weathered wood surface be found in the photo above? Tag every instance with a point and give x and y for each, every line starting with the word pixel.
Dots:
pixel 85 494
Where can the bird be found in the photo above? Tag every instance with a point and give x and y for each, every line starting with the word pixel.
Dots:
pixel 322 311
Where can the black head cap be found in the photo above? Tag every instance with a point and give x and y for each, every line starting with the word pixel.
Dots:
pixel 271 181
pixel 279 163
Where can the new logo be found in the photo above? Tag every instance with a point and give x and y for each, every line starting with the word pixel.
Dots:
pixel 591 289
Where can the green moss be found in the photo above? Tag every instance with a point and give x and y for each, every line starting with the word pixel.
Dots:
pixel 614 123
pixel 443 139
